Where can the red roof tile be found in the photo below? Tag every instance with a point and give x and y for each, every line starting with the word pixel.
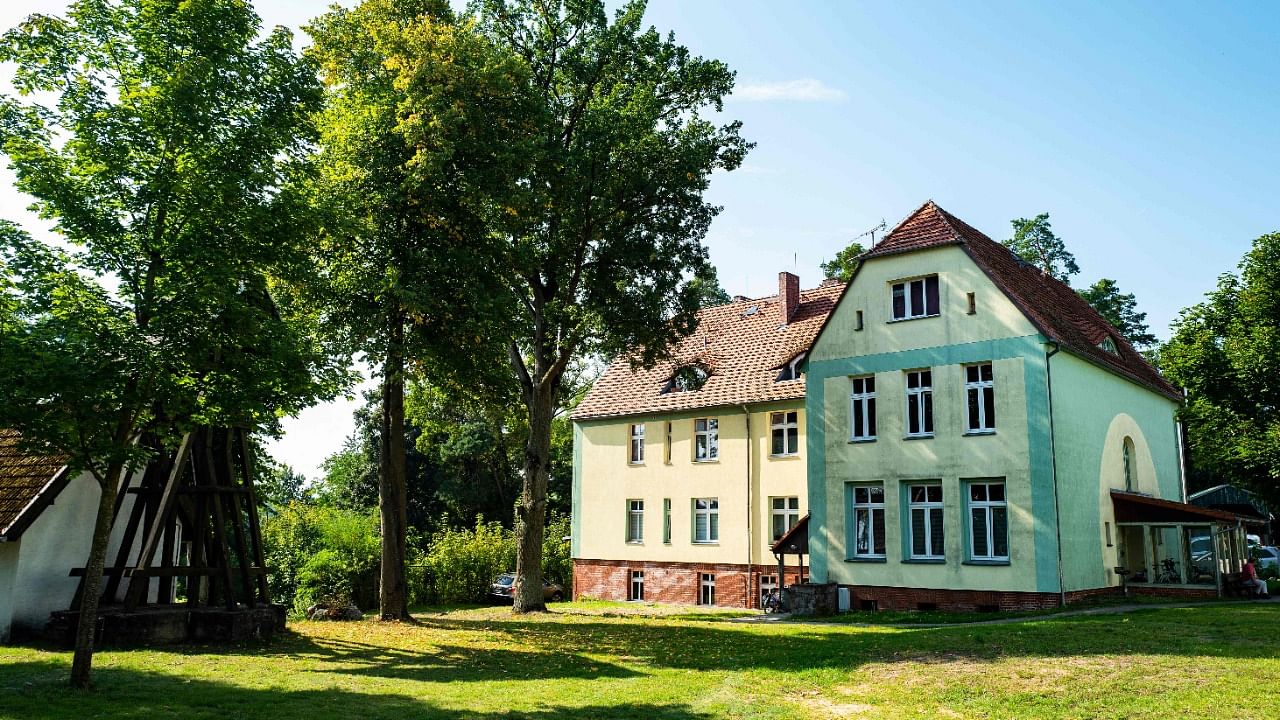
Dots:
pixel 1059 313
pixel 744 344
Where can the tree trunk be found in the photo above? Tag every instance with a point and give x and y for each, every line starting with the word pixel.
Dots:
pixel 82 662
pixel 531 513
pixel 393 593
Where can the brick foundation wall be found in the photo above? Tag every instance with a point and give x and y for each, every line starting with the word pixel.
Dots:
pixel 1208 593
pixel 896 598
pixel 671 582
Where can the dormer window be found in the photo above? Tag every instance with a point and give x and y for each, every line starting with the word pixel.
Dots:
pixel 1109 345
pixel 791 371
pixel 916 298
pixel 687 378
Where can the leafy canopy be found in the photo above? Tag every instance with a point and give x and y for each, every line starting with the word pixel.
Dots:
pixel 1226 352
pixel 1034 241
pixel 844 264
pixel 161 164
pixel 1121 310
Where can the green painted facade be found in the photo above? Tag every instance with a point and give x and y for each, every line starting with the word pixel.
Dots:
pixel 1092 411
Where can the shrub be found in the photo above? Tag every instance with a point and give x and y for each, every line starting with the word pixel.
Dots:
pixel 557 558
pixel 462 563
pixel 315 552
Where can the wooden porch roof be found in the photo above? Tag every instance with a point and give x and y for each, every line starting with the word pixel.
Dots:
pixel 795 541
pixel 1137 508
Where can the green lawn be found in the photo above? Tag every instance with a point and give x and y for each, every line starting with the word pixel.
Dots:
pixel 599 660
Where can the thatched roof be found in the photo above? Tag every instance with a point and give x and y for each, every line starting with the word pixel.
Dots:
pixel 27 482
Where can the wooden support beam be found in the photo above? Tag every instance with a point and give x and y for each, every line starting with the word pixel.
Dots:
pixel 163 511
pixel 255 529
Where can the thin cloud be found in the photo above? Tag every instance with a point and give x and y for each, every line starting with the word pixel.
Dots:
pixel 803 90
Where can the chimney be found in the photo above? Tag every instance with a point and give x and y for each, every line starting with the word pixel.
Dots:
pixel 788 295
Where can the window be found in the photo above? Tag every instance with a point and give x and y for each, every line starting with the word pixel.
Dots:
pixel 706 520
pixel 868 521
pixel 666 520
pixel 791 371
pixel 980 395
pixel 1109 345
pixel 786 433
pixel 707 589
pixel 972 299
pixel 786 513
pixel 687 378
pixel 988 522
pixel 1128 464
pixel 915 298
pixel 637 444
pixel 636 591
pixel 857 324
pixel 667 446
pixel 924 506
pixel 706 440
pixel 635 521
pixel 768 583
pixel 862 408
pixel 920 403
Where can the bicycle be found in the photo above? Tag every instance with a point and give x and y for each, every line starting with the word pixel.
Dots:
pixel 772 601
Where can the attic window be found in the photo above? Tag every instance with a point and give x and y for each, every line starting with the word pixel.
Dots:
pixel 688 378
pixel 1109 345
pixel 791 371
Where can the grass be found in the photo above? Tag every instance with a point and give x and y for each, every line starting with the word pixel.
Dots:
pixel 603 660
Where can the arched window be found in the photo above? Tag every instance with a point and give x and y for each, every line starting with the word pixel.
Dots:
pixel 1128 465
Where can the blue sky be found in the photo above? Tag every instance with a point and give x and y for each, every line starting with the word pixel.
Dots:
pixel 1148 132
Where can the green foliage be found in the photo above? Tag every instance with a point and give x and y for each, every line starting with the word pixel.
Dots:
pixel 557 558
pixel 1121 310
pixel 707 285
pixel 1226 352
pixel 463 563
pixel 1034 241
pixel 844 264
pixel 315 551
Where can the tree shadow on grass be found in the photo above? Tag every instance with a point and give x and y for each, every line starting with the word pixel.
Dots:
pixel 37 691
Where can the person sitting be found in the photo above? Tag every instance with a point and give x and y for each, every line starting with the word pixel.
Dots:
pixel 1249 576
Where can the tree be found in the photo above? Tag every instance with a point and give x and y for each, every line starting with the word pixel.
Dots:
pixel 710 293
pixel 396 185
pixel 1033 241
pixel 1225 352
pixel 844 264
pixel 161 164
pixel 1121 310
pixel 596 238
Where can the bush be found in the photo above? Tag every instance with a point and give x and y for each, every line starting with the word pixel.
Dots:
pixel 316 553
pixel 459 565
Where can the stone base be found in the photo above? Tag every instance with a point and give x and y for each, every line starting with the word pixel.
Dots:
pixel 673 582
pixel 169 624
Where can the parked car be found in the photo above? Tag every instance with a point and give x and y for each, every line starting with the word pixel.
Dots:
pixel 1268 556
pixel 504 586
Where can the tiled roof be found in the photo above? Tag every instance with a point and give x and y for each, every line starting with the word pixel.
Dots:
pixel 744 344
pixel 23 475
pixel 1059 313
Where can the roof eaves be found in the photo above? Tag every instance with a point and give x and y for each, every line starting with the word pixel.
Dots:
pixel 43 498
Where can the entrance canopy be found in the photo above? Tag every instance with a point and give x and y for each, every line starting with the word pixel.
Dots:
pixel 795 541
pixel 1136 508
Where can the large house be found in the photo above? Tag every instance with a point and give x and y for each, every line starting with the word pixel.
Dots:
pixel 979 437
pixel 686 473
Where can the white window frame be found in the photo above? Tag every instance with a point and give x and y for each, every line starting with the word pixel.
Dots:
pixel 635 522
pixel 784 422
pixel 666 521
pixel 710 513
pixel 768 583
pixel 986 414
pixel 988 508
pixel 706 440
pixel 928 508
pixel 788 510
pixel 870 508
pixel 904 287
pixel 921 396
pixel 635 592
pixel 791 371
pixel 706 589
pixel 637 444
pixel 862 403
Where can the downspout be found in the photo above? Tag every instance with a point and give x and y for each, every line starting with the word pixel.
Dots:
pixel 1053 458
pixel 1182 450
pixel 746 416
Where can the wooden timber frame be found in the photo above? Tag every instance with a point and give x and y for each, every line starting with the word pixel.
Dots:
pixel 193 527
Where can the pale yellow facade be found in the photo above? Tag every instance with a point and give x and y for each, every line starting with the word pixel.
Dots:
pixel 744 480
